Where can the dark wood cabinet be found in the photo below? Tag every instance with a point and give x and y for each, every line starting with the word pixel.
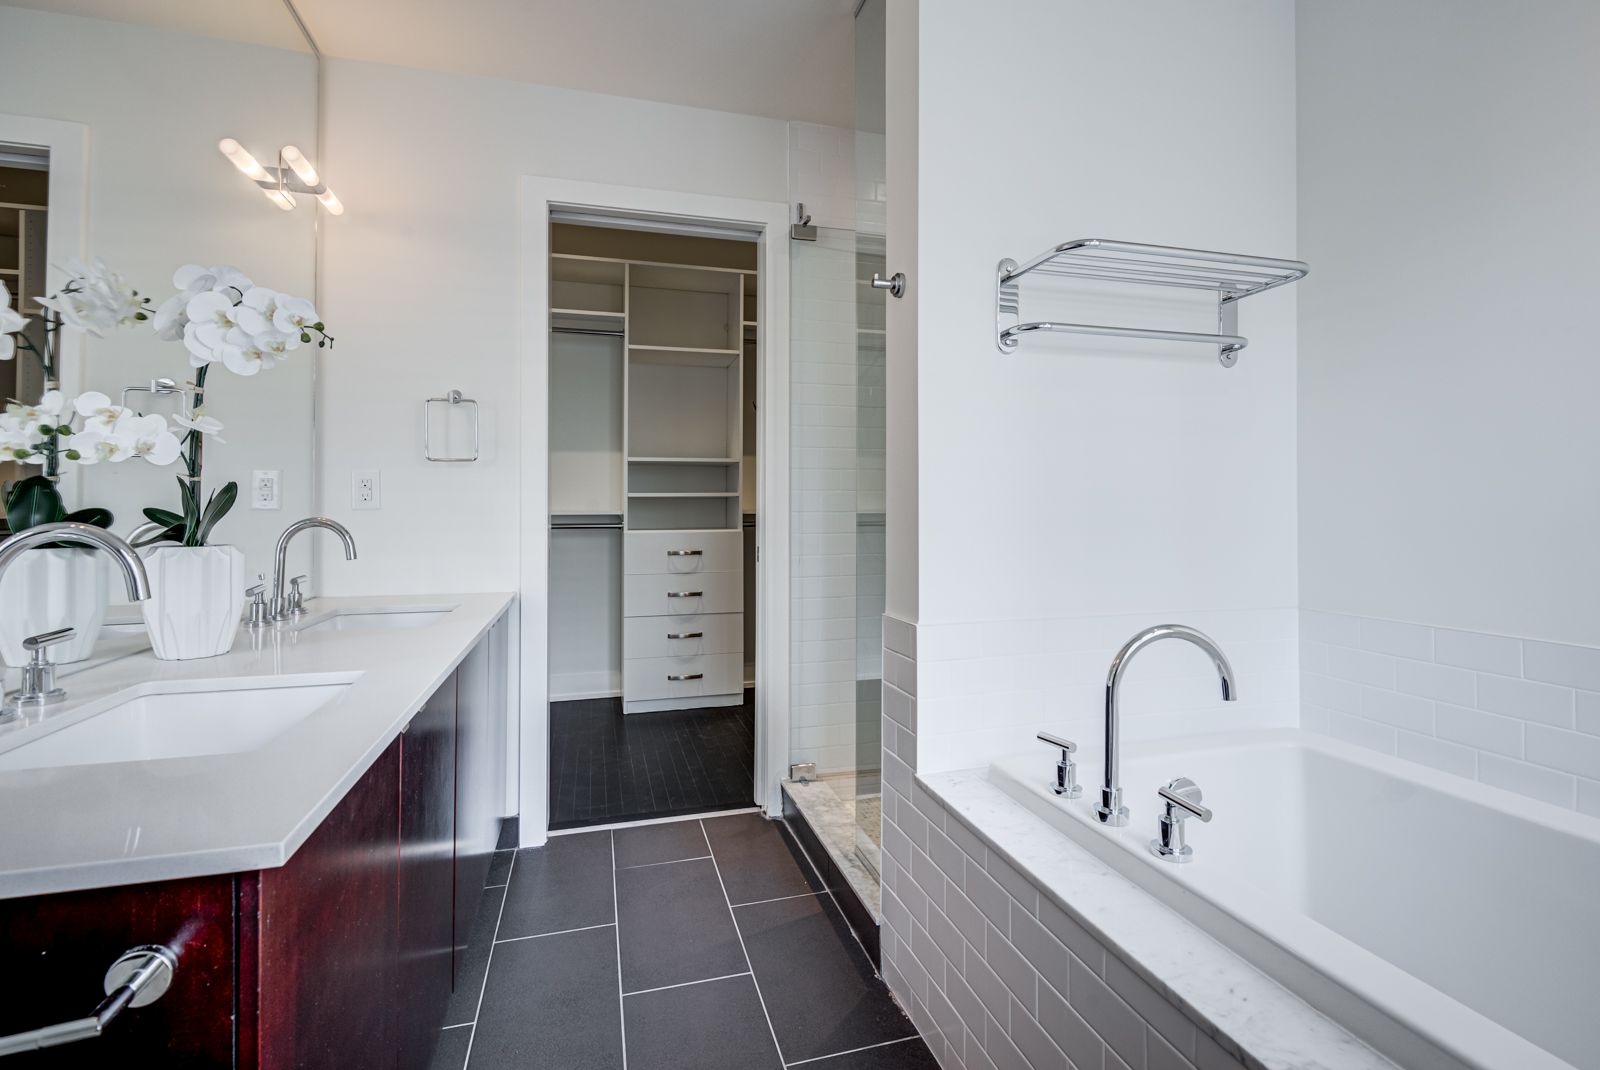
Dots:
pixel 343 957
pixel 427 877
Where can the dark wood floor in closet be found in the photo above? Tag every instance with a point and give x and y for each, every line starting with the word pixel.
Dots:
pixel 606 767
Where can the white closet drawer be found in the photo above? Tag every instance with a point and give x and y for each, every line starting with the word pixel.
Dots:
pixel 706 633
pixel 680 596
pixel 646 552
pixel 708 674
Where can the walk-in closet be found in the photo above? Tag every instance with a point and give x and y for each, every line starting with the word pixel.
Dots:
pixel 652 496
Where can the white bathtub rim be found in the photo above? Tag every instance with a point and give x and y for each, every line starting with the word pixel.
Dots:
pixel 1252 1016
pixel 1357 988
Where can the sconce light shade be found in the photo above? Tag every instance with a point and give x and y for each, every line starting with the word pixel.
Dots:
pixel 302 166
pixel 294 174
pixel 242 159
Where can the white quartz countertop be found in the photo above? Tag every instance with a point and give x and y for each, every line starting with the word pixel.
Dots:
pixel 91 826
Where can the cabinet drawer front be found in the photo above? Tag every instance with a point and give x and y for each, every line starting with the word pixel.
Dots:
pixel 711 674
pixel 681 596
pixel 646 552
pixel 650 637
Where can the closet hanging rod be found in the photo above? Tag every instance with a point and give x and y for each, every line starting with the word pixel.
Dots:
pixel 580 330
pixel 570 527
pixel 1231 276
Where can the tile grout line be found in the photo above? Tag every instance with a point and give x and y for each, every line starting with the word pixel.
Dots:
pixel 742 949
pixel 484 984
pixel 668 862
pixel 779 899
pixel 558 932
pixel 616 921
pixel 852 1051
pixel 686 984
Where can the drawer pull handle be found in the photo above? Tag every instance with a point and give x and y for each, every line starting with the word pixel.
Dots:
pixel 688 676
pixel 686 635
pixel 684 553
pixel 684 594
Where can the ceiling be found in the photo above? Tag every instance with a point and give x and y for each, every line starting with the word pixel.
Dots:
pixel 782 59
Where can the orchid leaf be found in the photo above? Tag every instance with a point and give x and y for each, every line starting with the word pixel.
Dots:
pixel 217 508
pixel 94 515
pixel 163 516
pixel 33 501
pixel 191 513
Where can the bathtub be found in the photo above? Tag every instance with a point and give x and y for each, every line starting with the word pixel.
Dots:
pixel 1445 922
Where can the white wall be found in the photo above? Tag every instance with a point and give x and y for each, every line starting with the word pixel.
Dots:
pixel 1078 479
pixel 422 271
pixel 1449 154
pixel 159 196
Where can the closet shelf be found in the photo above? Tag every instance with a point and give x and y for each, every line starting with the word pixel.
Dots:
pixel 683 494
pixel 684 460
pixel 587 312
pixel 1231 276
pixel 683 357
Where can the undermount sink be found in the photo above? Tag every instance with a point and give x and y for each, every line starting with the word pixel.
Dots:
pixel 363 618
pixel 172 719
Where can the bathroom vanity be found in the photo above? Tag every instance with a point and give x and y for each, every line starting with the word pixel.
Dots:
pixel 321 881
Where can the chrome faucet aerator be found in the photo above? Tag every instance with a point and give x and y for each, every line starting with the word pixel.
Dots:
pixel 280 607
pixel 1111 811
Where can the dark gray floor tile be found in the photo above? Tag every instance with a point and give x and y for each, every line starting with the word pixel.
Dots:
pixel 469 978
pixel 566 884
pixel 508 833
pixel 499 868
pixel 451 1054
pixel 552 1004
pixel 821 991
pixel 674 926
pixel 647 845
pixel 758 858
pixel 910 1054
pixel 713 1026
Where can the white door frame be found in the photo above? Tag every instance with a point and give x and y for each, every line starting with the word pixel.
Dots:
pixel 65 235
pixel 539 196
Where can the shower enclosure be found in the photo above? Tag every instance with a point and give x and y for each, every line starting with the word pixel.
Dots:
pixel 837 480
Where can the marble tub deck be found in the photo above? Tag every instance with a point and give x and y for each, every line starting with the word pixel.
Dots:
pixel 834 822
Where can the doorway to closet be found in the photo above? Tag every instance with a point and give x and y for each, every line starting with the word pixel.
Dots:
pixel 652 489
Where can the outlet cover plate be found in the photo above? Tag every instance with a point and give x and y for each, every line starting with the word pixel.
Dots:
pixel 266 489
pixel 366 490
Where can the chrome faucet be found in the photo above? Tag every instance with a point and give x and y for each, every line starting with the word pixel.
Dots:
pixel 281 608
pixel 38 681
pixel 1111 811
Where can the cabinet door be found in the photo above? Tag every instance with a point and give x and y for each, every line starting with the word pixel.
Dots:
pixel 57 948
pixel 479 737
pixel 327 936
pixel 427 876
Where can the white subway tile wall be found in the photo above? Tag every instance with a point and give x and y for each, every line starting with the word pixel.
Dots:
pixel 988 688
pixel 1515 713
pixel 995 975
pixel 822 173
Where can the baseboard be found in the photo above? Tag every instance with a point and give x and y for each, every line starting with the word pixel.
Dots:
pixel 582 695
pixel 698 702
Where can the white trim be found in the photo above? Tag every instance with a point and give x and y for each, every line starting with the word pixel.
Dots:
pixel 65 234
pixel 705 815
pixel 539 196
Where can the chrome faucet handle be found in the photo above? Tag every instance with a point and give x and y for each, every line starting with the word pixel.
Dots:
pixel 1066 769
pixel 1181 799
pixel 258 607
pixel 38 686
pixel 297 605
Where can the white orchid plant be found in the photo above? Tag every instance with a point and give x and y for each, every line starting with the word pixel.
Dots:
pixel 219 315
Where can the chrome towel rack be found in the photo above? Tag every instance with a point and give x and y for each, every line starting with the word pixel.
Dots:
pixel 1232 276
pixel 453 399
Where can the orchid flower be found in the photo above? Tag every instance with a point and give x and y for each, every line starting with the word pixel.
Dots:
pixel 10 322
pixel 92 447
pixel 294 315
pixel 16 442
pixel 257 309
pixel 146 437
pixel 45 411
pixel 100 415
pixel 205 425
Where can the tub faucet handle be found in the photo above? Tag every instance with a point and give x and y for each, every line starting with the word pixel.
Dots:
pixel 1066 769
pixel 1181 798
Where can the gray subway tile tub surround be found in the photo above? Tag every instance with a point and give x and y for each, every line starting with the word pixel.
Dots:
pixel 698 944
pixel 1518 714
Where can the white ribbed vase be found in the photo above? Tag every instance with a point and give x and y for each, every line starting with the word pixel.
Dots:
pixel 48 589
pixel 196 597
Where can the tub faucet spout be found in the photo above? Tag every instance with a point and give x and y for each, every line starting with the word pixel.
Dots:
pixel 1111 811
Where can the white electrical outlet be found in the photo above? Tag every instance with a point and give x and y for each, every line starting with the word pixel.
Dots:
pixel 365 490
pixel 266 489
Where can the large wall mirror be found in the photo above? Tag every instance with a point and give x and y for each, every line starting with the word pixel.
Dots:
pixel 111 113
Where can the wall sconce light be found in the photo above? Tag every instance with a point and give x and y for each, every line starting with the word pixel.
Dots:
pixel 294 174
